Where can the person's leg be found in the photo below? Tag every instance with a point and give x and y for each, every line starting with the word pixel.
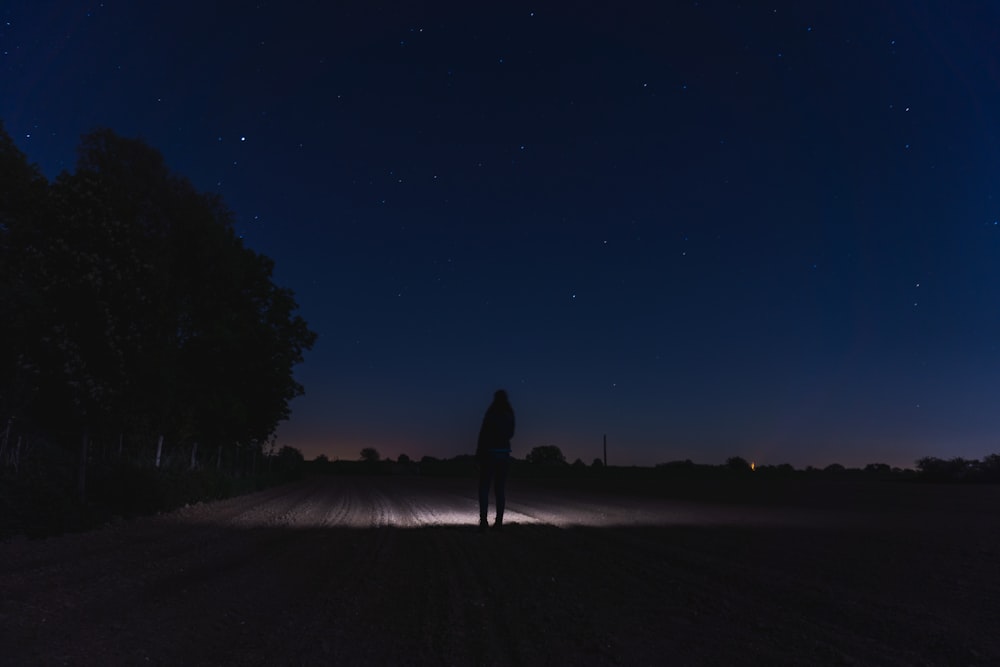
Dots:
pixel 485 477
pixel 502 464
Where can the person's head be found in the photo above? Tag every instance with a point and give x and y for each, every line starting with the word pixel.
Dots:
pixel 500 396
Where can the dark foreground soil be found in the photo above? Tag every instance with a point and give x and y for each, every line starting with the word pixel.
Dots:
pixel 392 571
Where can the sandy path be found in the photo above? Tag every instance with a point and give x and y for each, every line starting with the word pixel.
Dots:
pixel 384 570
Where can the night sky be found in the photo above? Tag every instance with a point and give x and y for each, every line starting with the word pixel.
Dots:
pixel 705 229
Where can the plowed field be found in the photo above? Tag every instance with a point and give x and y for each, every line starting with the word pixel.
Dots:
pixel 393 571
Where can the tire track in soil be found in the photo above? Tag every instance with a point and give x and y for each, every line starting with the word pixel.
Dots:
pixel 339 627
pixel 401 605
pixel 443 593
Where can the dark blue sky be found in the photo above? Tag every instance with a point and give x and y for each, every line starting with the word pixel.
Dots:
pixel 706 230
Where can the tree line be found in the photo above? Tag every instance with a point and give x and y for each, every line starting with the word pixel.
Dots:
pixel 551 460
pixel 136 325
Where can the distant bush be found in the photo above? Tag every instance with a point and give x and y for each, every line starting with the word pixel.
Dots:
pixel 878 469
pixel 932 469
pixel 780 470
pixel 738 463
pixel 546 455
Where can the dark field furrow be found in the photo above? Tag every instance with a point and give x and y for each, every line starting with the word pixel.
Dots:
pixel 392 570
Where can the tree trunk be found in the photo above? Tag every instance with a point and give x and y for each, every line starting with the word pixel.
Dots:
pixel 17 455
pixel 159 450
pixel 194 455
pixel 218 458
pixel 121 441
pixel 81 477
pixel 5 443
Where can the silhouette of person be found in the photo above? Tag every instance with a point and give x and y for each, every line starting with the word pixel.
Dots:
pixel 493 454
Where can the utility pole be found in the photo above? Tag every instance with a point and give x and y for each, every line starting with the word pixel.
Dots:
pixel 605 450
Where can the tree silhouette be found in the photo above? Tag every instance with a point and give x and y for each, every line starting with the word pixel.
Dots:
pixel 738 463
pixel 134 306
pixel 23 207
pixel 290 460
pixel 370 455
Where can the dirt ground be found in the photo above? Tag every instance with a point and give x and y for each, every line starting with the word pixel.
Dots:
pixel 393 571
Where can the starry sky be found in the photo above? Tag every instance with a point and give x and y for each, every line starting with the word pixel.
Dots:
pixel 706 229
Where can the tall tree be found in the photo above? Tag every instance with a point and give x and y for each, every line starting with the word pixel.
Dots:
pixel 150 314
pixel 23 203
